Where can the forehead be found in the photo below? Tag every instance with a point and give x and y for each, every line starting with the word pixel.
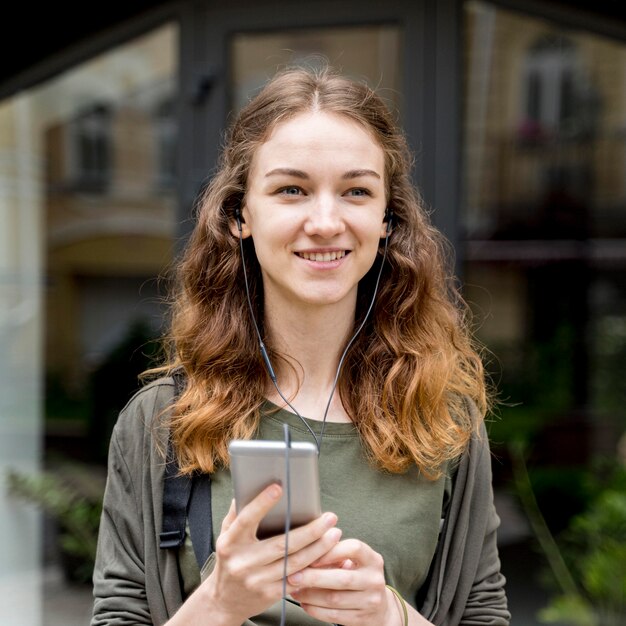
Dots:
pixel 320 134
pixel 320 118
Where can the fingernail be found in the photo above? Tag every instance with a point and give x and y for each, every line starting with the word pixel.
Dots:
pixel 334 534
pixel 295 579
pixel 330 519
pixel 274 492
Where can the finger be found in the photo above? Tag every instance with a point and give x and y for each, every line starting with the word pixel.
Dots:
pixel 324 598
pixel 272 550
pixel 344 607
pixel 352 550
pixel 322 578
pixel 303 536
pixel 333 615
pixel 230 517
pixel 365 568
pixel 249 517
pixel 303 558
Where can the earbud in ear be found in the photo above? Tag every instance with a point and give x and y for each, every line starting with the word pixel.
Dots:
pixel 238 219
pixel 389 219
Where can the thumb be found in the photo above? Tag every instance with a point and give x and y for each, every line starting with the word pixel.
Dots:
pixel 230 517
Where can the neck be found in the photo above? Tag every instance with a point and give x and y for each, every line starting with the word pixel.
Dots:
pixel 313 340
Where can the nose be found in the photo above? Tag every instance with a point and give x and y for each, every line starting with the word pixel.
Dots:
pixel 324 218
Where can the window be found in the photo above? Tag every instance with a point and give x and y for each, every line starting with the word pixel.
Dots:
pixel 90 149
pixel 558 97
pixel 85 232
pixel 545 225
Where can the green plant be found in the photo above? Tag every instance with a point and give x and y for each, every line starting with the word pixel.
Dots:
pixel 589 561
pixel 71 495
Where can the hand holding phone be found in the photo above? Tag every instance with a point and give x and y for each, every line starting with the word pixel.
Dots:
pixel 256 464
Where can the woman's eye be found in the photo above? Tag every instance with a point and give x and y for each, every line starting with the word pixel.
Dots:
pixel 290 191
pixel 358 191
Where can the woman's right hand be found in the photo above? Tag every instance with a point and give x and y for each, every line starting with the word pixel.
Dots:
pixel 248 573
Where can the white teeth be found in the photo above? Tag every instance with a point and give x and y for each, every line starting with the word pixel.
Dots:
pixel 322 256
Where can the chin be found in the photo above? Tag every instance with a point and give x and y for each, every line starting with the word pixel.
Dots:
pixel 324 299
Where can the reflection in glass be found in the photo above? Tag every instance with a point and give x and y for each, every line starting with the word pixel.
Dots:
pixel 87 221
pixel 372 53
pixel 108 136
pixel 545 224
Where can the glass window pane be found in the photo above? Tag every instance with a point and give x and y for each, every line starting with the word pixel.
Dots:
pixel 372 53
pixel 20 365
pixel 108 139
pixel 545 222
pixel 544 119
pixel 87 224
pixel 544 250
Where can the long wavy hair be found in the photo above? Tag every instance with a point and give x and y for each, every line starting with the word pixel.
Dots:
pixel 408 376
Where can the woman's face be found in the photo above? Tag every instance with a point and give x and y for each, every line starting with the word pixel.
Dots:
pixel 314 208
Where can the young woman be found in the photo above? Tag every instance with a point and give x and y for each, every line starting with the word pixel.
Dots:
pixel 313 212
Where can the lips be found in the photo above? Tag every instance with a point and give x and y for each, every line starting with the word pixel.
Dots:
pixel 323 256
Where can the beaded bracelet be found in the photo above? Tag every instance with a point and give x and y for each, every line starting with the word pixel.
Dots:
pixel 402 604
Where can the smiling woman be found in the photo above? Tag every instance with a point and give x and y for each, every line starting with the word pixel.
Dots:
pixel 312 239
pixel 317 224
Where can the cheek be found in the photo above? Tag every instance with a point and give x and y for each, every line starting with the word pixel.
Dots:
pixel 376 230
pixel 275 228
pixel 266 241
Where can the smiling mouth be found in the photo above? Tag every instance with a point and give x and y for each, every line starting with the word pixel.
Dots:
pixel 323 256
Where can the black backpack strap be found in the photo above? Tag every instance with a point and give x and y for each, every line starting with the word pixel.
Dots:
pixel 200 518
pixel 176 493
pixel 186 496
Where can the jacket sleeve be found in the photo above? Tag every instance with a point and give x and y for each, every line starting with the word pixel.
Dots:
pixel 136 582
pixel 119 574
pixel 487 601
pixel 466 586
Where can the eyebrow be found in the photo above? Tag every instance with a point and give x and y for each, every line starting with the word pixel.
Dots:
pixel 360 173
pixel 287 171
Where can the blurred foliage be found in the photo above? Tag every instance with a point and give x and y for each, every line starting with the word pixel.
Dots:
pixel 72 496
pixel 609 365
pixel 71 491
pixel 61 404
pixel 594 547
pixel 115 381
pixel 107 389
pixel 589 559
pixel 537 385
pixel 534 382
pixel 561 492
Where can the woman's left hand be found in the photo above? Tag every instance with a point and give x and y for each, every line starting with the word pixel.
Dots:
pixel 346 586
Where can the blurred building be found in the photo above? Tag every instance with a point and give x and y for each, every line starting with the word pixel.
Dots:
pixel 110 126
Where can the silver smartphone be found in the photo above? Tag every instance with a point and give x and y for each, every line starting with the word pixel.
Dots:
pixel 257 464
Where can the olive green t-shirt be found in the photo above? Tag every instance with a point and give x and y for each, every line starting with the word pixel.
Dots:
pixel 397 515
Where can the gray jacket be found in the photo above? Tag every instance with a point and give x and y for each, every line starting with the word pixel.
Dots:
pixel 136 582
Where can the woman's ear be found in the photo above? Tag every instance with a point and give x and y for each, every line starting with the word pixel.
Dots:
pixel 384 230
pixel 387 225
pixel 238 226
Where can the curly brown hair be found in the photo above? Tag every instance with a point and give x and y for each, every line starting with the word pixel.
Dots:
pixel 408 375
